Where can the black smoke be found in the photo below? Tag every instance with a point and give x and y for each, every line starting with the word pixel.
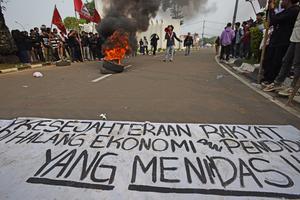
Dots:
pixel 134 16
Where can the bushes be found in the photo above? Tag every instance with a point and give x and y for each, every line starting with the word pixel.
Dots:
pixel 256 38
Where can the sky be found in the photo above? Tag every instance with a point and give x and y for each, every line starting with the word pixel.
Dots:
pixel 26 14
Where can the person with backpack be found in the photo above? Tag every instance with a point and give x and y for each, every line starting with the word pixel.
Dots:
pixel 170 37
pixel 188 42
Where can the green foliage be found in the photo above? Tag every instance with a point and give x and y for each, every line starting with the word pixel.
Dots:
pixel 90 6
pixel 256 38
pixel 210 40
pixel 72 23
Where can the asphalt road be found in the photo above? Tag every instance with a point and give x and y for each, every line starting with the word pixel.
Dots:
pixel 184 91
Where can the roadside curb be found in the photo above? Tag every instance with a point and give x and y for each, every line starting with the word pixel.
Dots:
pixel 36 66
pixel 24 67
pixel 9 70
pixel 265 95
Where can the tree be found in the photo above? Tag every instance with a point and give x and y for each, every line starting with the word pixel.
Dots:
pixel 90 6
pixel 72 23
pixel 8 48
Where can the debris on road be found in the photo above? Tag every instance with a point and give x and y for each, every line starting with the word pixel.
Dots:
pixel 220 77
pixel 25 86
pixel 38 75
pixel 258 86
pixel 103 117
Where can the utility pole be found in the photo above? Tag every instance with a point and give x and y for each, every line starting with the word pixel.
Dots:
pixel 235 12
pixel 203 31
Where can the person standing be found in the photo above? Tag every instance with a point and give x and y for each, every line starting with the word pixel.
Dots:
pixel 217 45
pixel 154 39
pixel 85 46
pixel 283 24
pixel 245 41
pixel 37 45
pixel 141 43
pixel 170 37
pixel 90 39
pixel 188 43
pixel 55 42
pixel 146 43
pixel 291 58
pixel 239 33
pixel 227 37
pixel 20 41
pixel 46 45
pixel 93 45
pixel 74 46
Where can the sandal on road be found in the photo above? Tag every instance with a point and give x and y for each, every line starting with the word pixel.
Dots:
pixel 272 87
pixel 287 92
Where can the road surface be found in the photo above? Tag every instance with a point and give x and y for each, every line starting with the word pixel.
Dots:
pixel 193 89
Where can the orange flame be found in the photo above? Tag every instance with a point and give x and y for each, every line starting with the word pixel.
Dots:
pixel 116 47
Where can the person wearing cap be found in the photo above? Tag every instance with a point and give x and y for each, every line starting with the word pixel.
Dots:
pixel 170 37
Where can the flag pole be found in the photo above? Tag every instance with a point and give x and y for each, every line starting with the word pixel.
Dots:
pixel 78 34
pixel 263 53
pixel 52 17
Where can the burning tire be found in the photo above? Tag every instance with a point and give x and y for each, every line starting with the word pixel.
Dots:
pixel 111 68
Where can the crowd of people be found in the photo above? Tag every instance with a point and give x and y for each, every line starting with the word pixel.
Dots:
pixel 46 45
pixel 236 42
pixel 170 37
pixel 282 45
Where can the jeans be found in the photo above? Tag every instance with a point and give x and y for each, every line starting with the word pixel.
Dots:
pixel 48 54
pixel 86 53
pixel 237 50
pixel 291 58
pixel 23 56
pixel 39 54
pixel 169 53
pixel 187 50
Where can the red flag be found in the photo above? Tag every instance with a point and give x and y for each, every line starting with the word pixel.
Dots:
pixel 96 18
pixel 56 20
pixel 78 5
pixel 82 10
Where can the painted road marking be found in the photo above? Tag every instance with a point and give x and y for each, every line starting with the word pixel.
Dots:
pixel 108 75
pixel 101 78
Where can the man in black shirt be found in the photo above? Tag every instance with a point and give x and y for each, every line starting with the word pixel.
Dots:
pixel 154 39
pixel 283 24
pixel 37 45
pixel 188 42
pixel 85 46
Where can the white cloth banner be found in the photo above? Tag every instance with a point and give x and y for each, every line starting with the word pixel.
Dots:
pixel 77 159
